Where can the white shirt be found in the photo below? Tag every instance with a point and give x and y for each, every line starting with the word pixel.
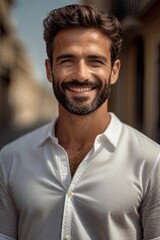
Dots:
pixel 114 194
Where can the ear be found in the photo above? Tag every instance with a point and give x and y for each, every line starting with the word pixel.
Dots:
pixel 48 70
pixel 115 71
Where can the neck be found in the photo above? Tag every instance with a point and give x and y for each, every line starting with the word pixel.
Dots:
pixel 79 131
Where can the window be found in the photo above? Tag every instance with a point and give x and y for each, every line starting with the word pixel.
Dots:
pixel 139 83
pixel 158 93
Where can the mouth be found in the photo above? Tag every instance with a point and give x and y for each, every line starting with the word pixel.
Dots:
pixel 80 89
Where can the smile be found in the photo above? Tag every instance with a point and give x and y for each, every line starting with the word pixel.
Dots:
pixel 80 89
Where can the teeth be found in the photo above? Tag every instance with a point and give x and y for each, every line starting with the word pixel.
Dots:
pixel 86 89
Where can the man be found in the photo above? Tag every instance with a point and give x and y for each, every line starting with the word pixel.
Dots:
pixel 86 175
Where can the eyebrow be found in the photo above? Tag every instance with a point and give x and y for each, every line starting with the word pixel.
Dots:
pixel 65 55
pixel 99 57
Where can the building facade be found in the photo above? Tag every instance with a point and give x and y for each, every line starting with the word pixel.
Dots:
pixel 136 96
pixel 23 101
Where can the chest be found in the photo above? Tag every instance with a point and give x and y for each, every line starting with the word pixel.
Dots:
pixel 75 160
pixel 75 157
pixel 99 186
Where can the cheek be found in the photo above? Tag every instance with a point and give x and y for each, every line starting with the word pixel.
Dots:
pixel 102 72
pixel 103 75
pixel 61 74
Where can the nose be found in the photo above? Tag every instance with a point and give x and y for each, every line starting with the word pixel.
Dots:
pixel 81 71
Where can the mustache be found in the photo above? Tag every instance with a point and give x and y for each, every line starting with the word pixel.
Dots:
pixel 75 82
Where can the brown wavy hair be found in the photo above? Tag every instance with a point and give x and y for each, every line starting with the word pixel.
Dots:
pixel 82 16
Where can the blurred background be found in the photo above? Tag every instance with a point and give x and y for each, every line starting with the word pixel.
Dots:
pixel 26 98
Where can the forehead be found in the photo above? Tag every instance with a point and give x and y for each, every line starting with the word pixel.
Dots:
pixel 81 39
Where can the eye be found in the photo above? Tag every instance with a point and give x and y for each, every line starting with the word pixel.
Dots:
pixel 96 62
pixel 66 61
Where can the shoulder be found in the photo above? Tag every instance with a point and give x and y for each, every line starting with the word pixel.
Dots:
pixel 138 138
pixel 140 152
pixel 130 138
pixel 134 146
pixel 139 145
pixel 26 142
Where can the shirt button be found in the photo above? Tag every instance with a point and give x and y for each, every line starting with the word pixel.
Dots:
pixel 67 237
pixel 63 157
pixel 70 194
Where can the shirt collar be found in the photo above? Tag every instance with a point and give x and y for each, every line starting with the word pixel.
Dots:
pixel 48 132
pixel 112 132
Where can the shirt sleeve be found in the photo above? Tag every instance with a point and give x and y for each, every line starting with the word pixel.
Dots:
pixel 151 205
pixel 8 213
pixel 3 237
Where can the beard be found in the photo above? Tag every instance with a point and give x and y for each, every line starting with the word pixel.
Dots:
pixel 78 105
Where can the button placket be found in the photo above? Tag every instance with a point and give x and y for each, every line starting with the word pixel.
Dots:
pixel 69 194
pixel 63 166
pixel 68 204
pixel 67 216
pixel 67 237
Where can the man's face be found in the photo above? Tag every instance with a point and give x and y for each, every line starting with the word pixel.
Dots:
pixel 81 72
